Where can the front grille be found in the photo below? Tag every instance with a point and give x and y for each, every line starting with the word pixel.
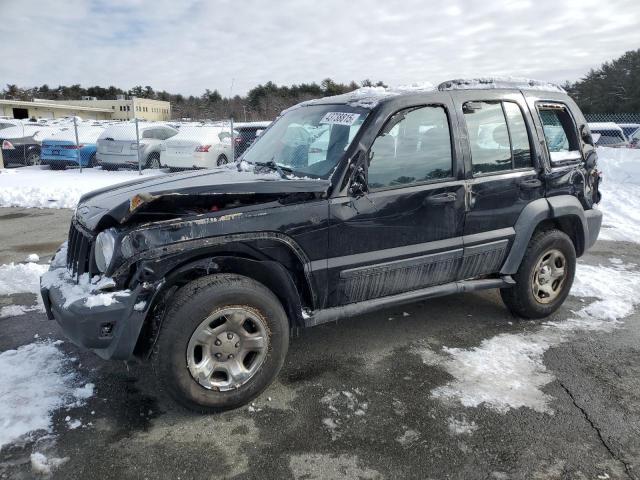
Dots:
pixel 80 251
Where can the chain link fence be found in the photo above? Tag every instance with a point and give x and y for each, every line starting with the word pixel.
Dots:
pixel 135 144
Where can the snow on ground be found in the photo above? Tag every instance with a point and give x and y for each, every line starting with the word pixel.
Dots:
pixel 507 371
pixel 344 407
pixel 620 189
pixel 36 379
pixel 44 465
pixel 461 426
pixel 41 187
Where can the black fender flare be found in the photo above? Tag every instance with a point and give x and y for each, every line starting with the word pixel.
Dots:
pixel 531 217
pixel 268 272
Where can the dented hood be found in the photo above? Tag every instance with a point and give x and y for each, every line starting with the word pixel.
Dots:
pixel 116 201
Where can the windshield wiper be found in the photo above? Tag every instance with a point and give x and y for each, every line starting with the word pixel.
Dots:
pixel 274 166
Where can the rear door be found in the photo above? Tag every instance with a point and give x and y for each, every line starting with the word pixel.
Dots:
pixel 502 174
pixel 406 232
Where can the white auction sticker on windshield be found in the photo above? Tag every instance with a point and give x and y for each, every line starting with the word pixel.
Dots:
pixel 340 118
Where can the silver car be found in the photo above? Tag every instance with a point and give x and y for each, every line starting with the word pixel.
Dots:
pixel 117 146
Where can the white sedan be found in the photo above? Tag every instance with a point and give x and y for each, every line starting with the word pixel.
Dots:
pixel 197 147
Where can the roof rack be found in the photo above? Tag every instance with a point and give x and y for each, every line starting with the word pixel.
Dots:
pixel 486 83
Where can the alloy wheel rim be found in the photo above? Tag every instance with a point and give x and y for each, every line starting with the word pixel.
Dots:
pixel 549 276
pixel 228 348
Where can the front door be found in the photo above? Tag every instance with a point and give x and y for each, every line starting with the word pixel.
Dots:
pixel 405 233
pixel 502 177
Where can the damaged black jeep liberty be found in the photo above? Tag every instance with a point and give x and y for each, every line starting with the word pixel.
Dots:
pixel 344 205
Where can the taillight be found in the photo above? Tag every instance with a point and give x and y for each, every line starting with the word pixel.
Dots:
pixel 7 145
pixel 203 148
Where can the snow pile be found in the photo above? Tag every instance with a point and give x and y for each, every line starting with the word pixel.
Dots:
pixel 44 465
pixel 21 278
pixel 41 187
pixel 620 189
pixel 36 380
pixel 86 289
pixel 507 371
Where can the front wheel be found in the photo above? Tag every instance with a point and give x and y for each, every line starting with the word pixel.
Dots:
pixel 223 341
pixel 222 160
pixel 545 276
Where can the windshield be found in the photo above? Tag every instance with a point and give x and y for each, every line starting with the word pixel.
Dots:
pixel 308 140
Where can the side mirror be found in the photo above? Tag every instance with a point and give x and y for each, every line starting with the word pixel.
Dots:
pixel 358 185
pixel 587 137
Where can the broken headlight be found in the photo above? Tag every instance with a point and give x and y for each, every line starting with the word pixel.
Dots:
pixel 105 246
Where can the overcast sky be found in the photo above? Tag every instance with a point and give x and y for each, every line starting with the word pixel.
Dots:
pixel 188 46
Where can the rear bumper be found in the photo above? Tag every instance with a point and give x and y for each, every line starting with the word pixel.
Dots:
pixel 119 160
pixel 196 160
pixel 111 331
pixel 594 222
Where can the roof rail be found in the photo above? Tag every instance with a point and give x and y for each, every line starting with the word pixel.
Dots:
pixel 486 83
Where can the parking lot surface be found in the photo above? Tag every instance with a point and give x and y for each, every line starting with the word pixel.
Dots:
pixel 376 396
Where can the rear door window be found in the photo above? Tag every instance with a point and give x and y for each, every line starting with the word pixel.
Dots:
pixel 498 137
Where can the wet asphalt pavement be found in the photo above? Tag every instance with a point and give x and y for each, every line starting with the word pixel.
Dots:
pixel 354 401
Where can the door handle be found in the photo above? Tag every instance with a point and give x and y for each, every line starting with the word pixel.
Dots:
pixel 530 184
pixel 441 198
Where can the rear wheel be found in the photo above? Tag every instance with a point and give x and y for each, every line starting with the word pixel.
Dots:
pixel 223 341
pixel 222 160
pixel 545 276
pixel 93 161
pixel 153 161
pixel 57 166
pixel 33 158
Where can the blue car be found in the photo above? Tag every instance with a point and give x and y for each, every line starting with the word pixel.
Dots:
pixel 60 150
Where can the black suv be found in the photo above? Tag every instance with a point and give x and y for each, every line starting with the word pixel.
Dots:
pixel 344 205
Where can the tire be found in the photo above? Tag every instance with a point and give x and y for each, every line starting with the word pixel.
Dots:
pixel 109 167
pixel 204 304
pixel 222 160
pixel 93 162
pixel 57 166
pixel 33 158
pixel 540 289
pixel 153 161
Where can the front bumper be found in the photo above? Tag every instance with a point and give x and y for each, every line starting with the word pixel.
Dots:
pixel 111 331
